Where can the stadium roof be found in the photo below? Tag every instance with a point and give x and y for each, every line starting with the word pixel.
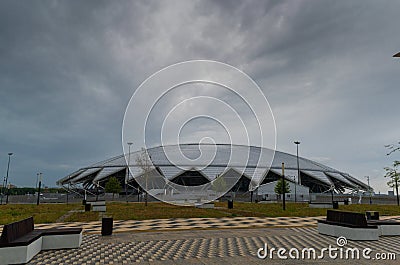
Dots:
pixel 161 157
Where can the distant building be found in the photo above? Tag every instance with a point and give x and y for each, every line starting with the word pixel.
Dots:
pixel 11 186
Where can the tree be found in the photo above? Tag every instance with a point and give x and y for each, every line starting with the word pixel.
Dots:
pixel 113 186
pixel 219 184
pixel 392 183
pixel 279 187
pixel 394 175
pixel 145 164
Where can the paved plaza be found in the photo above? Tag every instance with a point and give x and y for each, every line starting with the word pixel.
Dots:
pixel 195 223
pixel 158 244
pixel 227 246
pixel 190 223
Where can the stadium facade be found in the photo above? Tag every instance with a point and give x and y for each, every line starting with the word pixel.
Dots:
pixel 317 177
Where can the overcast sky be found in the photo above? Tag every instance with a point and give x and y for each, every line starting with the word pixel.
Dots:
pixel 68 69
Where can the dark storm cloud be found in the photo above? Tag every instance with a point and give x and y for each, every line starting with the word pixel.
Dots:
pixel 68 68
pixel 58 87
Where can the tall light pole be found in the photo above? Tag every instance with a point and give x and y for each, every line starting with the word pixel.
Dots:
pixel 298 164
pixel 396 178
pixel 67 191
pixel 97 191
pixel 369 189
pixel 37 180
pixel 397 189
pixel 8 169
pixel 295 192
pixel 127 171
pixel 146 196
pixel 40 184
pixel 2 189
pixel 283 187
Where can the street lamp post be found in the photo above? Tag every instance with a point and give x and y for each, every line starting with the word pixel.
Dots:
pixel 369 190
pixel 67 190
pixel 8 169
pixel 396 177
pixel 97 190
pixel 298 166
pixel 127 171
pixel 295 192
pixel 146 178
pixel 40 184
pixel 397 190
pixel 283 187
pixel 2 190
pixel 37 180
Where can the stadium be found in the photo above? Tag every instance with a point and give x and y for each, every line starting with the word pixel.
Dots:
pixel 163 176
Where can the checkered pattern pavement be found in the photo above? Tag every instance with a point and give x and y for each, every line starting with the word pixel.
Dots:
pixel 95 251
pixel 195 223
pixel 191 223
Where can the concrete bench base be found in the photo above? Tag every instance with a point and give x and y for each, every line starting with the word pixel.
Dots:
pixel 61 241
pixel 320 205
pixel 387 227
pixel 389 230
pixel 358 234
pixel 23 254
pixel 20 254
pixel 99 206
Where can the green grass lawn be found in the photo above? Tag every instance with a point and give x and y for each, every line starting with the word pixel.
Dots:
pixel 43 213
pixel 156 210
pixel 47 213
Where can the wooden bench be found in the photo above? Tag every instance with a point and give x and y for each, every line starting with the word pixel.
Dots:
pixel 20 242
pixel 351 225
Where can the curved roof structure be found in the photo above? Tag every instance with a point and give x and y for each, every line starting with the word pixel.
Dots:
pixel 318 177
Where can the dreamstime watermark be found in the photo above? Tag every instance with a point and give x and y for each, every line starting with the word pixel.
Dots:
pixel 331 252
pixel 204 103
